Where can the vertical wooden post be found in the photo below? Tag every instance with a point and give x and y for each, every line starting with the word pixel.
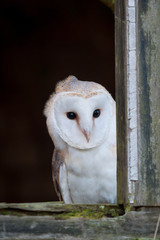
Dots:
pixel 121 99
pixel 148 190
pixel 138 101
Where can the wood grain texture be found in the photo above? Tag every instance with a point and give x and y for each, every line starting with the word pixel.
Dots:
pixel 148 191
pixel 121 101
pixel 138 159
pixel 60 221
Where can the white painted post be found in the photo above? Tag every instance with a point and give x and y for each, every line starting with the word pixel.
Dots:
pixel 131 97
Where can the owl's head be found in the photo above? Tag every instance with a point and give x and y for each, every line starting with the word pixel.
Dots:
pixel 79 113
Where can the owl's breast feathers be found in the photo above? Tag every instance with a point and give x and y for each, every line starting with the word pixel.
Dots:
pixel 85 176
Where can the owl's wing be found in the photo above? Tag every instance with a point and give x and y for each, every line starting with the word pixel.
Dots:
pixel 57 162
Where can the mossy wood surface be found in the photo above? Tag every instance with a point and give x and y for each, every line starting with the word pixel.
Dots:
pixel 59 221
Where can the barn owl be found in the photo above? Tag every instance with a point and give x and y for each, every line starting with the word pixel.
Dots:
pixel 81 121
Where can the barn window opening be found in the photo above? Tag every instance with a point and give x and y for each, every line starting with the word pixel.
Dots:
pixel 43 44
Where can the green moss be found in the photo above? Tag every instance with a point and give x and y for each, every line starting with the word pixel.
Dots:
pixel 113 212
pixel 127 208
pixel 4 212
pixel 146 239
pixel 92 213
pixel 64 211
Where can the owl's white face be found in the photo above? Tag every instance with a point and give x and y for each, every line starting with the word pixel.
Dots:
pixel 81 122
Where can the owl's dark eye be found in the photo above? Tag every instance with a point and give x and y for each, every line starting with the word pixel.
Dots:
pixel 96 113
pixel 71 115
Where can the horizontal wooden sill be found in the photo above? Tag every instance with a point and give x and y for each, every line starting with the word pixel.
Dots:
pixel 55 220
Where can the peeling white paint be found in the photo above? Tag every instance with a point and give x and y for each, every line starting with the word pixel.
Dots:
pixel 132 98
pixel 131 3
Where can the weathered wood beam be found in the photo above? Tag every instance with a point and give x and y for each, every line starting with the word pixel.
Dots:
pixel 60 221
pixel 121 101
pixel 148 56
pixel 63 210
pixel 138 101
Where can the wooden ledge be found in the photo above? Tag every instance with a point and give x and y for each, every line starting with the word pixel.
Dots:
pixel 61 210
pixel 55 220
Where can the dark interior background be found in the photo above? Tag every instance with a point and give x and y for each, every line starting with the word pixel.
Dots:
pixel 43 42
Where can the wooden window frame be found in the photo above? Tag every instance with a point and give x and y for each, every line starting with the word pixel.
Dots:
pixel 137 57
pixel 137 96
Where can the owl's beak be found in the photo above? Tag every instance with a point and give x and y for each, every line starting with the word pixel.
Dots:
pixel 86 134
